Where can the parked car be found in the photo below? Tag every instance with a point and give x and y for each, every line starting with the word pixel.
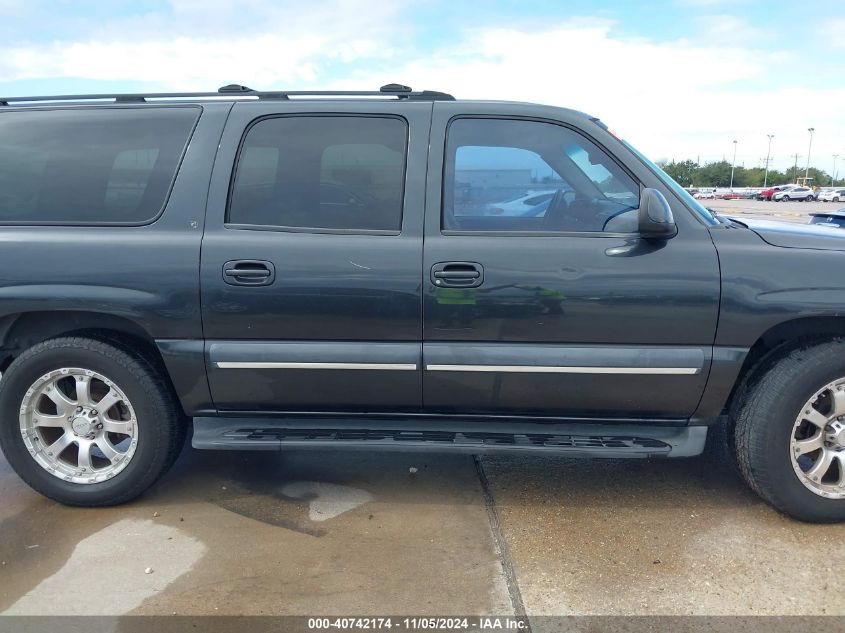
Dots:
pixel 706 195
pixel 831 195
pixel 804 194
pixel 527 204
pixel 731 195
pixel 833 219
pixel 766 194
pixel 749 195
pixel 277 273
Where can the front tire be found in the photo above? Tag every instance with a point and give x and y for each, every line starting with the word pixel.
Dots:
pixel 88 423
pixel 790 434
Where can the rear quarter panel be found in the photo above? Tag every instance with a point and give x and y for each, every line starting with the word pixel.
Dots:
pixel 147 274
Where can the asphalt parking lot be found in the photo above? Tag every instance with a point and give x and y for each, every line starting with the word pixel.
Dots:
pixel 792 211
pixel 355 533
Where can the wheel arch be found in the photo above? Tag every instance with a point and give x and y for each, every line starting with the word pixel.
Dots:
pixel 21 331
pixel 777 342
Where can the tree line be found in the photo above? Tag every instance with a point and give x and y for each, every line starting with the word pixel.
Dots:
pixel 688 173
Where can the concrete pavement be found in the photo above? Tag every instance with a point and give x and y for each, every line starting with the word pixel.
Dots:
pixel 351 533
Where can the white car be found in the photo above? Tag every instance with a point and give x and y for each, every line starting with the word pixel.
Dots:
pixel 526 205
pixel 706 195
pixel 796 193
pixel 832 195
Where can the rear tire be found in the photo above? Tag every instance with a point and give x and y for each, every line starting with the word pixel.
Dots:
pixel 771 420
pixel 141 435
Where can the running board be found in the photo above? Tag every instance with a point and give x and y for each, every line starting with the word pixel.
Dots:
pixel 576 439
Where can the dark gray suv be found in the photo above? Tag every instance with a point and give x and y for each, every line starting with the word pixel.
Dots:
pixel 279 270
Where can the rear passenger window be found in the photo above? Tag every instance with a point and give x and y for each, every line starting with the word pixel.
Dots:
pixel 512 175
pixel 90 166
pixel 321 172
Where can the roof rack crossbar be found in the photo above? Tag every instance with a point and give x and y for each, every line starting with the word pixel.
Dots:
pixel 233 90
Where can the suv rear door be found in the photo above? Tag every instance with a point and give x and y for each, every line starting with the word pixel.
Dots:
pixel 563 310
pixel 311 257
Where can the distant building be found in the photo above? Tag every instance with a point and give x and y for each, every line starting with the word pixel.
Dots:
pixel 492 178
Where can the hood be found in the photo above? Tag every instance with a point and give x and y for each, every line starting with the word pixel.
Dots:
pixel 789 235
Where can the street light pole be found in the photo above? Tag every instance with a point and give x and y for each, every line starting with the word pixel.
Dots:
pixel 807 170
pixel 768 154
pixel 833 173
pixel 733 167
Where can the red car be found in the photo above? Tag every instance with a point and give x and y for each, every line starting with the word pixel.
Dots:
pixel 767 194
pixel 731 195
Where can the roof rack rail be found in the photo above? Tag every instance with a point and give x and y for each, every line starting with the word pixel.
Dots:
pixel 397 90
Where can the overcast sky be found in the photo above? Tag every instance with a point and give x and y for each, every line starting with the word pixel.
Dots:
pixel 678 78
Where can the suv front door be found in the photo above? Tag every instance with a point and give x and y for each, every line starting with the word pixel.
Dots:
pixel 311 257
pixel 557 307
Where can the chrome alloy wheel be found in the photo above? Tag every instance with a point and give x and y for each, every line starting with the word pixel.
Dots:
pixel 78 425
pixel 817 448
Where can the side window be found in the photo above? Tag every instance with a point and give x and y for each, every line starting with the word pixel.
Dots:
pixel 511 175
pixel 90 166
pixel 129 177
pixel 321 172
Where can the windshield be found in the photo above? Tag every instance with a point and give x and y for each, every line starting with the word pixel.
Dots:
pixel 682 193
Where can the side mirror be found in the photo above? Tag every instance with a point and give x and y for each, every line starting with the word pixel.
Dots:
pixel 655 220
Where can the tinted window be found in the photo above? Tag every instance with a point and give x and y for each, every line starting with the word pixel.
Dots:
pixel 91 166
pixel 506 175
pixel 322 172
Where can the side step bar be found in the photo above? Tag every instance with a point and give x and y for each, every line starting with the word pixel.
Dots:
pixel 575 439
